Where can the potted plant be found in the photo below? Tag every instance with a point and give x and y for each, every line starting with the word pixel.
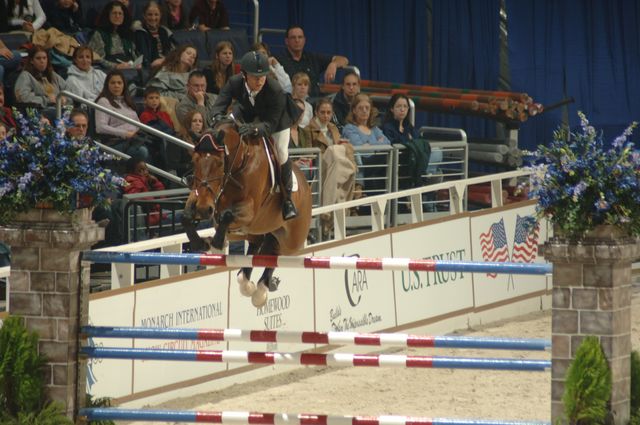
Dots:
pixel 42 165
pixel 582 185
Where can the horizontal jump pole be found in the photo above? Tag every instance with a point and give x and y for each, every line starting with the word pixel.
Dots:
pixel 274 261
pixel 334 338
pixel 317 359
pixel 242 418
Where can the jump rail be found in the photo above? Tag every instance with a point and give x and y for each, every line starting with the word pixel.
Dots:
pixel 309 262
pixel 242 418
pixel 317 359
pixel 334 338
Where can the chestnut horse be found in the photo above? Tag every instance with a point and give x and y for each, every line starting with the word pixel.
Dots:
pixel 232 184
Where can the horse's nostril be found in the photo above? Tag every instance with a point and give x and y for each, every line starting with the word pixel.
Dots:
pixel 210 211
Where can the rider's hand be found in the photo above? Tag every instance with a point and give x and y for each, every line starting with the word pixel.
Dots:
pixel 248 130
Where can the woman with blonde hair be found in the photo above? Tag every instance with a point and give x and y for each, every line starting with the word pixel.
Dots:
pixel 222 67
pixel 83 78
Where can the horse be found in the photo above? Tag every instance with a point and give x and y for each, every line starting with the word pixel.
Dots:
pixel 233 185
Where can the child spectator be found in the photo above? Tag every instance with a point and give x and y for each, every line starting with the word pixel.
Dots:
pixel 207 15
pixel 173 15
pixel 152 115
pixel 6 115
pixel 277 71
pixel 39 84
pixel 138 180
pixel 82 78
pixel 66 16
pixel 153 41
pixel 25 15
pixel 171 80
pixel 115 132
pixel 222 67
pixel 4 132
pixel 113 39
pixel 300 90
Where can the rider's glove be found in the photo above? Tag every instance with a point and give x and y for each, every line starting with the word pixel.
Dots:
pixel 247 130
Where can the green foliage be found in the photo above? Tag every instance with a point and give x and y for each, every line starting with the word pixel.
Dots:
pixel 588 385
pixel 22 387
pixel 635 388
pixel 99 402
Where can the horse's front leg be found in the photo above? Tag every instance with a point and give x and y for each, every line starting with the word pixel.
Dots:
pixel 196 242
pixel 247 287
pixel 221 230
pixel 267 282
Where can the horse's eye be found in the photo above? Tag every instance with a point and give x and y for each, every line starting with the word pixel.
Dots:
pixel 188 180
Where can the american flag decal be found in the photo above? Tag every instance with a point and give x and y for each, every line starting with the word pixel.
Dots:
pixel 525 243
pixel 493 244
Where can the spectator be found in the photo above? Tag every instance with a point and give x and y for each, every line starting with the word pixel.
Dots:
pixel 338 160
pixel 171 80
pixel 82 78
pixel 300 82
pixel 207 15
pixel 222 67
pixel 277 71
pixel 66 16
pixel 152 115
pixel 191 131
pixel 342 100
pixel 296 59
pixel 116 132
pixel 299 137
pixel 25 15
pixel 193 126
pixel 153 41
pixel 79 124
pixel 173 15
pixel 6 115
pixel 9 60
pixel 39 84
pixel 361 130
pixel 113 39
pixel 197 98
pixel 4 131
pixel 139 180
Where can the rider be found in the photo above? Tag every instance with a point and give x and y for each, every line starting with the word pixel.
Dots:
pixel 266 110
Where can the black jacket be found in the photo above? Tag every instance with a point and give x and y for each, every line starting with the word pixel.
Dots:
pixel 273 107
pixel 146 43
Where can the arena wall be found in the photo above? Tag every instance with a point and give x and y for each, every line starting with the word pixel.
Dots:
pixel 321 300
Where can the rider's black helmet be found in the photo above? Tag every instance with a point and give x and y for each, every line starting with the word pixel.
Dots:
pixel 255 63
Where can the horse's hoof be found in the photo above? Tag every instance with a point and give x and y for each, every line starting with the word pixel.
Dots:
pixel 247 287
pixel 259 297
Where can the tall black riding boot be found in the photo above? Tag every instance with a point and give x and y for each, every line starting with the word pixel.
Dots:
pixel 288 208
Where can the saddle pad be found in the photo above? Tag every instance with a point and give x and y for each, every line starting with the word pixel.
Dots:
pixel 272 173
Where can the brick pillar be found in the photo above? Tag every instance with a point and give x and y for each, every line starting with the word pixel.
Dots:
pixel 592 296
pixel 46 290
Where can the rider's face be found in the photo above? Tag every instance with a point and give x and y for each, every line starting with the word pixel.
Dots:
pixel 255 82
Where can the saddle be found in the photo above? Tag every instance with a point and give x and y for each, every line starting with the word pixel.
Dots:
pixel 274 166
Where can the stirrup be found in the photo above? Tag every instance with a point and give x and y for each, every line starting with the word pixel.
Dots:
pixel 289 210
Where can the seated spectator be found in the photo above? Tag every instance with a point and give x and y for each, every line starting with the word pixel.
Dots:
pixel 277 71
pixel 296 59
pixel 173 15
pixel 25 15
pixel 116 132
pixel 300 83
pixel 171 80
pixel 113 39
pixel 154 117
pixel 66 16
pixel 4 131
pixel 398 129
pixel 361 130
pixel 79 124
pixel 338 160
pixel 197 98
pixel 139 180
pixel 208 15
pixel 6 114
pixel 38 85
pixel 192 130
pixel 82 78
pixel 9 60
pixel 222 67
pixel 342 101
pixel 153 41
pixel 299 137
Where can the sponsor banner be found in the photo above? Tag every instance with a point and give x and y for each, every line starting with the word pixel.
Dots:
pixel 355 300
pixel 290 307
pixel 116 310
pixel 423 295
pixel 503 237
pixel 200 302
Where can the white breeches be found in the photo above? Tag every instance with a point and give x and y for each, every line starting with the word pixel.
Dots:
pixel 281 142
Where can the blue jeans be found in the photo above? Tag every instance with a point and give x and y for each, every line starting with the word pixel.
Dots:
pixel 9 64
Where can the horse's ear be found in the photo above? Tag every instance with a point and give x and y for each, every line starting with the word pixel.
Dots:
pixel 210 143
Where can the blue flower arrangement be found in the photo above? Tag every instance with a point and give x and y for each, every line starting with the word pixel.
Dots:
pixel 42 164
pixel 580 184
